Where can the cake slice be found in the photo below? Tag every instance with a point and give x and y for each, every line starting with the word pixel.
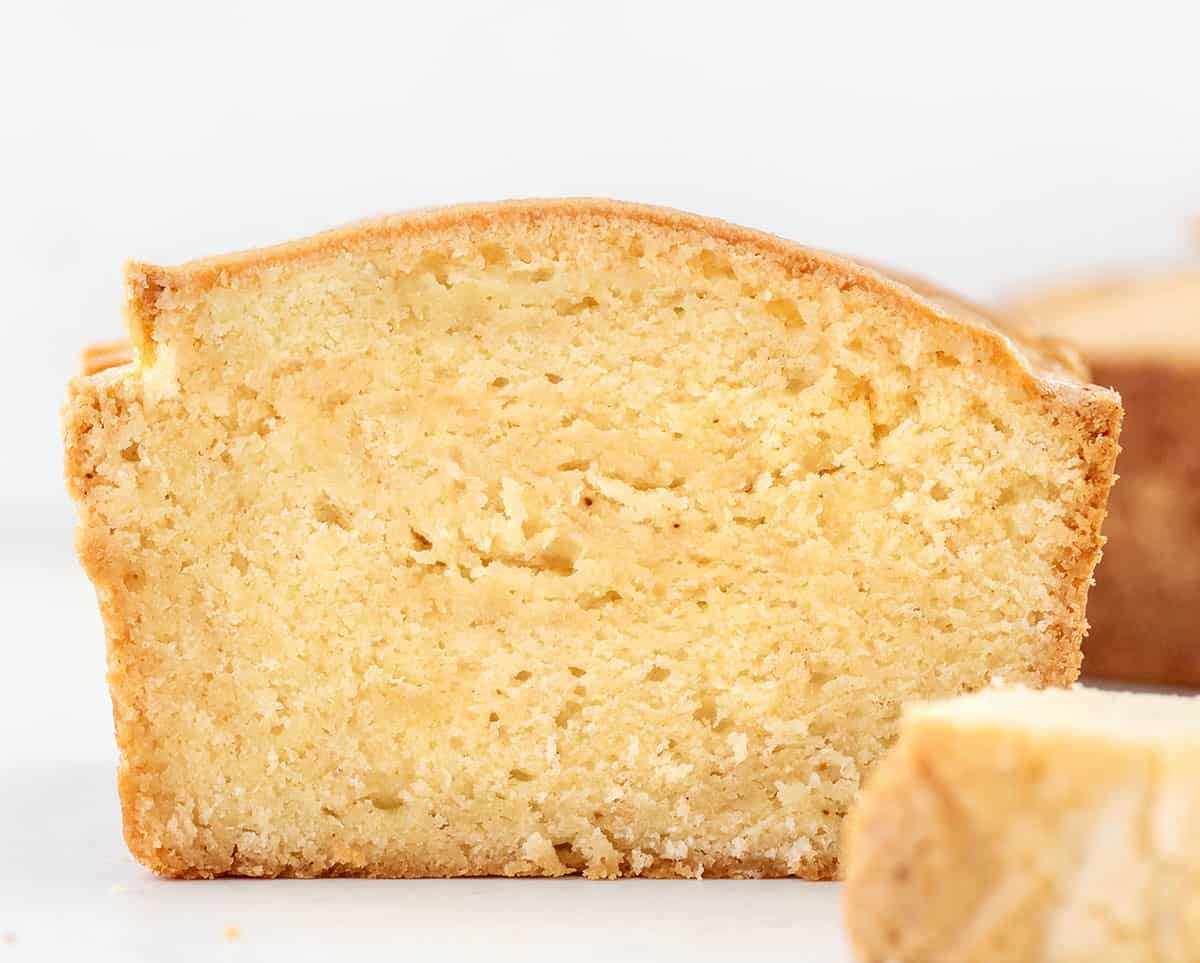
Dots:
pixel 554 537
pixel 1141 334
pixel 1013 826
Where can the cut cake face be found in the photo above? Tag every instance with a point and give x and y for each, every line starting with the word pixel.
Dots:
pixel 552 537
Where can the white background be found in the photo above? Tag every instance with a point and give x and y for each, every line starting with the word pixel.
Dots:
pixel 986 146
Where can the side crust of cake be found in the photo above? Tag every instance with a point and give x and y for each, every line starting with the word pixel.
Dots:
pixel 110 474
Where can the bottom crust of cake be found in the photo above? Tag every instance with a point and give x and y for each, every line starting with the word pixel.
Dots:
pixel 444 861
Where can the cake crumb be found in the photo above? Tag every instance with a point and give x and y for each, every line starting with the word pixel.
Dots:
pixel 116 889
pixel 739 742
pixel 232 933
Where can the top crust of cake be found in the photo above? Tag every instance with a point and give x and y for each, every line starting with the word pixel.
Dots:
pixel 1050 358
pixel 1045 366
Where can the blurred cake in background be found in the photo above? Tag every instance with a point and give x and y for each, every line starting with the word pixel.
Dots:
pixel 1012 825
pixel 1141 335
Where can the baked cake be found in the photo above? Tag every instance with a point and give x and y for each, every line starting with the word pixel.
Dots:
pixel 1142 336
pixel 1013 826
pixel 558 536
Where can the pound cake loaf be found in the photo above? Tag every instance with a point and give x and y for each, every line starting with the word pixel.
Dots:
pixel 551 537
pixel 1141 335
pixel 1013 826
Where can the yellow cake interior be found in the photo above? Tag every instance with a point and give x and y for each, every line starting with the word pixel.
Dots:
pixel 548 550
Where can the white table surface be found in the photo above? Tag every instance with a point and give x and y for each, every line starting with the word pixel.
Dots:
pixel 70 890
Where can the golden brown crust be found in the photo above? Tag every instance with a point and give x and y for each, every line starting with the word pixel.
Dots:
pixel 146 283
pixel 1101 427
pixel 1091 413
pixel 107 564
pixel 1050 355
pixel 451 861
pixel 881 894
